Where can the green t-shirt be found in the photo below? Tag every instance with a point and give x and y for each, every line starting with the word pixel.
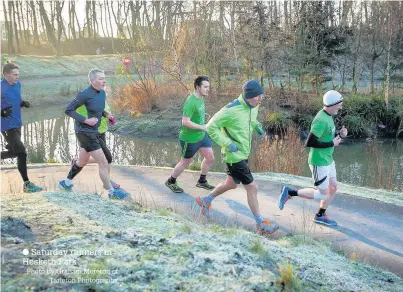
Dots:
pixel 322 127
pixel 195 110
pixel 103 126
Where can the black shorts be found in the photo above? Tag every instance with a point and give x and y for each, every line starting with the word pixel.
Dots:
pixel 105 149
pixel 190 149
pixel 88 141
pixel 13 140
pixel 240 172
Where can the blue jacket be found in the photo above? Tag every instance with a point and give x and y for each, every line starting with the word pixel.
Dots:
pixel 11 96
pixel 94 101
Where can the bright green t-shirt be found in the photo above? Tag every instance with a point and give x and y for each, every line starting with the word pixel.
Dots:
pixel 322 127
pixel 103 126
pixel 194 109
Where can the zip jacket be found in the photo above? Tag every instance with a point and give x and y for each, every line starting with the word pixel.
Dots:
pixel 234 123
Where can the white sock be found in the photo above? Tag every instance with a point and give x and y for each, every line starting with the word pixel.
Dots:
pixel 318 196
pixel 68 182
pixel 111 191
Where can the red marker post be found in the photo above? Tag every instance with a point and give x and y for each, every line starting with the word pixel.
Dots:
pixel 126 62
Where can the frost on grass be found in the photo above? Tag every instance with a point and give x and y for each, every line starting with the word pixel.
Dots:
pixel 137 249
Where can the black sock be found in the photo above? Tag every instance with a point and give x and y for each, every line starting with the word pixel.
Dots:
pixel 75 169
pixel 202 178
pixel 172 180
pixel 293 193
pixel 321 212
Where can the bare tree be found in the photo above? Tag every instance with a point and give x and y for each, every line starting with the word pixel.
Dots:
pixel 110 24
pixel 72 20
pixel 9 28
pixel 88 18
pixel 35 24
pixel 48 26
pixel 12 13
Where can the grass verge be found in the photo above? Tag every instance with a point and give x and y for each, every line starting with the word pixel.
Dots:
pixel 121 246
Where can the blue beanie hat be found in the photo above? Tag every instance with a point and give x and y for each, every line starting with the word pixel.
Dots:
pixel 251 89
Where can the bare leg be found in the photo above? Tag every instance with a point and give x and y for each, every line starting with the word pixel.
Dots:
pixel 208 155
pixel 324 204
pixel 83 158
pixel 100 158
pixel 224 186
pixel 308 193
pixel 251 190
pixel 181 166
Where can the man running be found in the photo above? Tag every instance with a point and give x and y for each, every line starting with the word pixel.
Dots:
pixel 322 140
pixel 11 123
pixel 87 132
pixel 232 128
pixel 103 128
pixel 193 136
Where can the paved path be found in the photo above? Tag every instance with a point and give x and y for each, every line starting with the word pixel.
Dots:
pixel 370 229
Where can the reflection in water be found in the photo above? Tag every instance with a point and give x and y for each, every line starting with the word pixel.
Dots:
pixel 54 141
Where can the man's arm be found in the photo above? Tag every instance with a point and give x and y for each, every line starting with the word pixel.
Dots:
pixel 78 101
pixel 314 142
pixel 186 122
pixel 220 120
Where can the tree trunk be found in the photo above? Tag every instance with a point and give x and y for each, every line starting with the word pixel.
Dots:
pixel 48 26
pixel 60 26
pixel 9 29
pixel 285 5
pixel 157 25
pixel 102 22
pixel 388 65
pixel 72 20
pixel 117 19
pixel 234 49
pixel 168 26
pixel 12 10
pixel 133 35
pixel 87 15
pixel 35 23
pixel 94 19
pixel 356 54
pixel 21 22
pixel 110 24
pixel 80 33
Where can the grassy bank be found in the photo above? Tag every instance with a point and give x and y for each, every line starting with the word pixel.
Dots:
pixel 36 67
pixel 135 249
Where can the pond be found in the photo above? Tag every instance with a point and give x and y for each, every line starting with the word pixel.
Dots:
pixel 364 163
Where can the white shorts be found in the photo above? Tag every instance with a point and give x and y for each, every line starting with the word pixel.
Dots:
pixel 322 174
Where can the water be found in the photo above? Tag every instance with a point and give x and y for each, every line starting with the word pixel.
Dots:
pixel 54 140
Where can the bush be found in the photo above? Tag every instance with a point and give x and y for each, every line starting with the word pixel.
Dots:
pixel 362 113
pixel 276 121
pixel 357 125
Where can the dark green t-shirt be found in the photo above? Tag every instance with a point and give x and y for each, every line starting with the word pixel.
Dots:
pixel 322 127
pixel 195 110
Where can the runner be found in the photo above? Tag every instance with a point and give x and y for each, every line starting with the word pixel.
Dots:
pixel 103 127
pixel 322 140
pixel 11 123
pixel 87 132
pixel 232 128
pixel 193 136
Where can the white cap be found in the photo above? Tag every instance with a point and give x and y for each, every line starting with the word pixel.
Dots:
pixel 332 97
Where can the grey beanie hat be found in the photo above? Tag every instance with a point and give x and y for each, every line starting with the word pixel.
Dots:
pixel 251 89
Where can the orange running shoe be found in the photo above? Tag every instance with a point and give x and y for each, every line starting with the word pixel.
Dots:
pixel 205 207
